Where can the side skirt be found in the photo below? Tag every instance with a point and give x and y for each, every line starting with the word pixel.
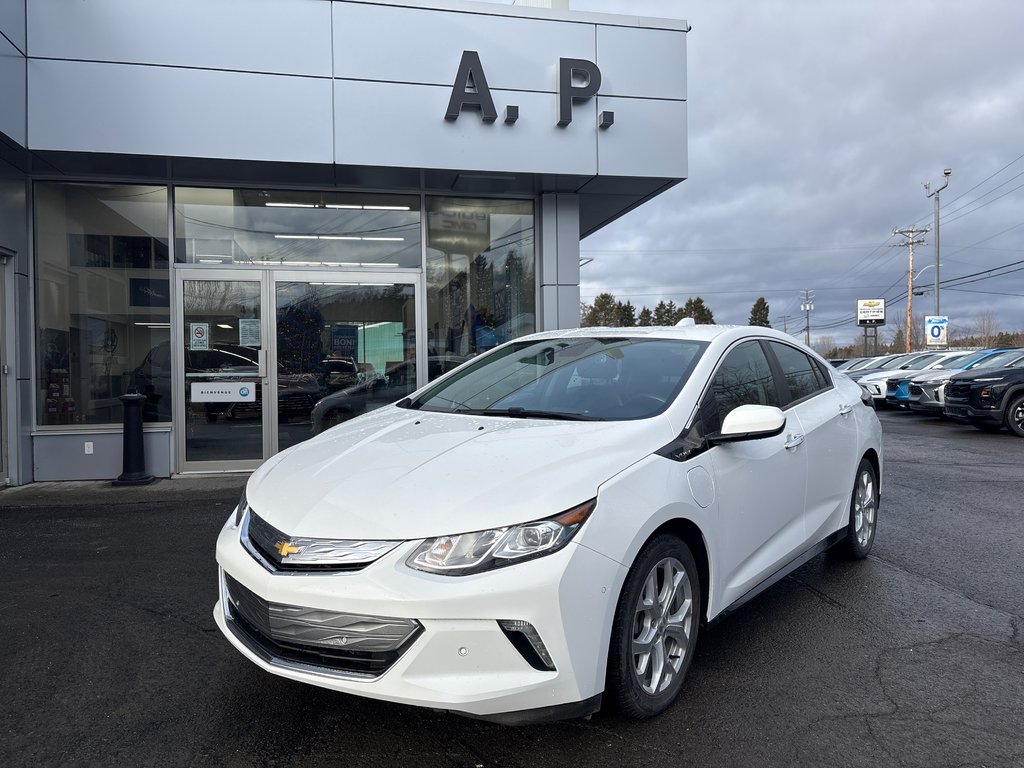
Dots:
pixel 783 572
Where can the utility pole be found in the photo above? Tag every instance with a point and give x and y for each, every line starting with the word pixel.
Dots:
pixel 806 307
pixel 947 172
pixel 785 323
pixel 911 234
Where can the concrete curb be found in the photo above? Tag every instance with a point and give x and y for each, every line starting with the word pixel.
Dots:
pixel 100 492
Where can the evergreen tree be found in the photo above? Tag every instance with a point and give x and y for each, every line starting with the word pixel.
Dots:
pixel 625 315
pixel 646 318
pixel 698 310
pixel 602 313
pixel 665 313
pixel 759 314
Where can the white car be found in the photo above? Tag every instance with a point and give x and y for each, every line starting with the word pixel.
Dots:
pixel 875 383
pixel 551 522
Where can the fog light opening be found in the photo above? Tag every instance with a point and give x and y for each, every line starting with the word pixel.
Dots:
pixel 525 639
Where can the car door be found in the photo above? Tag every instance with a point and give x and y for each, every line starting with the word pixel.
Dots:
pixel 761 483
pixel 825 415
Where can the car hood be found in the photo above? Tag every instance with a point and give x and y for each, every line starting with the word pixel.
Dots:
pixel 403 474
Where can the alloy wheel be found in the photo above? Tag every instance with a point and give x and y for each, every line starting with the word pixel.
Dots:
pixel 864 508
pixel 662 626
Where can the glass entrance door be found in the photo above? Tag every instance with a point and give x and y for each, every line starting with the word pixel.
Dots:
pixel 271 359
pixel 224 372
pixel 342 349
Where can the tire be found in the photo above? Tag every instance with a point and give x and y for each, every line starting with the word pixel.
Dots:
pixel 860 533
pixel 1015 415
pixel 659 609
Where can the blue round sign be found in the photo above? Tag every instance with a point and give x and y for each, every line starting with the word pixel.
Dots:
pixel 244 391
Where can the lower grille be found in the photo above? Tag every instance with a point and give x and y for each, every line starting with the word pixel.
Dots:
pixel 915 389
pixel 357 645
pixel 958 390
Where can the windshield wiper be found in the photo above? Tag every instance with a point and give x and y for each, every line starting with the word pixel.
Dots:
pixel 526 413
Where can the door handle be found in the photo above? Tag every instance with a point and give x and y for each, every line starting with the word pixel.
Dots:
pixel 794 441
pixel 845 409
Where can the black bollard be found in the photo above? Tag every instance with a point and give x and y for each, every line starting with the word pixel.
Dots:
pixel 134 448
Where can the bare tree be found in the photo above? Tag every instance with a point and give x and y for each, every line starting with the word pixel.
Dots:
pixel 985 328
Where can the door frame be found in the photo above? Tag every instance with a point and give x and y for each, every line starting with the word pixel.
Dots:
pixel 268 278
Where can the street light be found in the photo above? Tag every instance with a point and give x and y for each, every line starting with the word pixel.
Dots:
pixel 921 272
pixel 947 172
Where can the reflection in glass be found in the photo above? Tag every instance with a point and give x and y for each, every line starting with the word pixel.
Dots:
pixel 354 345
pixel 102 301
pixel 271 227
pixel 222 345
pixel 481 285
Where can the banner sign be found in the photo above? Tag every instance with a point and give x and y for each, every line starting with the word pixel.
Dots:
pixel 935 328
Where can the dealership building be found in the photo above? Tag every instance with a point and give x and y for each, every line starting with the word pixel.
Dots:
pixel 267 216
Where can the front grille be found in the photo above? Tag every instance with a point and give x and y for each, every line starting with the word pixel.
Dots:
pixel 264 542
pixel 958 390
pixel 354 644
pixel 915 389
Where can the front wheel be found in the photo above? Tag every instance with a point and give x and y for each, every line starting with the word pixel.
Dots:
pixel 860 533
pixel 1015 416
pixel 655 629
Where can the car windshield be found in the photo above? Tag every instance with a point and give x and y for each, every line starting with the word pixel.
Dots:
pixel 953 361
pixel 894 362
pixel 577 378
pixel 998 360
pixel 921 362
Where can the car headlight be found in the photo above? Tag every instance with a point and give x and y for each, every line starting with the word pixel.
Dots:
pixel 465 553
pixel 242 509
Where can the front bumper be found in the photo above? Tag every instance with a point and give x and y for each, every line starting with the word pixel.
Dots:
pixel 459 659
pixel 963 411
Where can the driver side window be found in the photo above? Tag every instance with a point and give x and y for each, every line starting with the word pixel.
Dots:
pixel 743 378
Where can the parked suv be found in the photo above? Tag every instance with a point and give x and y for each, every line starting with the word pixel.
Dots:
pixel 927 390
pixel 989 399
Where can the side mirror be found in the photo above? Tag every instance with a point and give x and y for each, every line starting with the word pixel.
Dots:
pixel 749 422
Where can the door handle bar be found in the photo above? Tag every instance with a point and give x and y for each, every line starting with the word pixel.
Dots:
pixel 794 441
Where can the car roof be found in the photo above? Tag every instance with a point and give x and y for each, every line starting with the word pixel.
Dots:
pixel 685 332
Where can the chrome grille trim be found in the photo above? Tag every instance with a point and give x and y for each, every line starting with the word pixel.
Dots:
pixel 260 539
pixel 313 640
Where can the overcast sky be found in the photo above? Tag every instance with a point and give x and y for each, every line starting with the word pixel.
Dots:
pixel 812 125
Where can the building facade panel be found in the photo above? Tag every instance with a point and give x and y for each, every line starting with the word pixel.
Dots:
pixel 647 139
pixel 396 124
pixel 408 45
pixel 144 110
pixel 12 22
pixel 282 36
pixel 642 63
pixel 12 87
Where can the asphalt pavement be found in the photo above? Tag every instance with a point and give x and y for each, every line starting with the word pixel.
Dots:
pixel 914 657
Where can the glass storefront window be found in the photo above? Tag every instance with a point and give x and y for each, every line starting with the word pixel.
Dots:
pixel 259 227
pixel 102 299
pixel 342 350
pixel 481 277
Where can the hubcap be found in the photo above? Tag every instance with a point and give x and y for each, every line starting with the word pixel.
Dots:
pixel 662 626
pixel 864 508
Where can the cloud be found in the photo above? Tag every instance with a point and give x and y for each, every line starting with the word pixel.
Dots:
pixel 812 127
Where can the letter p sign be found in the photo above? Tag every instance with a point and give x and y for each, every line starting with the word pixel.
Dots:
pixel 568 93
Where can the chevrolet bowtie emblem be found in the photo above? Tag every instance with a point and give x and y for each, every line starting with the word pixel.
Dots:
pixel 285 548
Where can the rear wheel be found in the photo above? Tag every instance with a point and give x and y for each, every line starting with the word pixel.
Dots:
pixel 655 629
pixel 860 533
pixel 1015 416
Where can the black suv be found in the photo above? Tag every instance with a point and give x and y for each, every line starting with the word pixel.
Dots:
pixel 990 399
